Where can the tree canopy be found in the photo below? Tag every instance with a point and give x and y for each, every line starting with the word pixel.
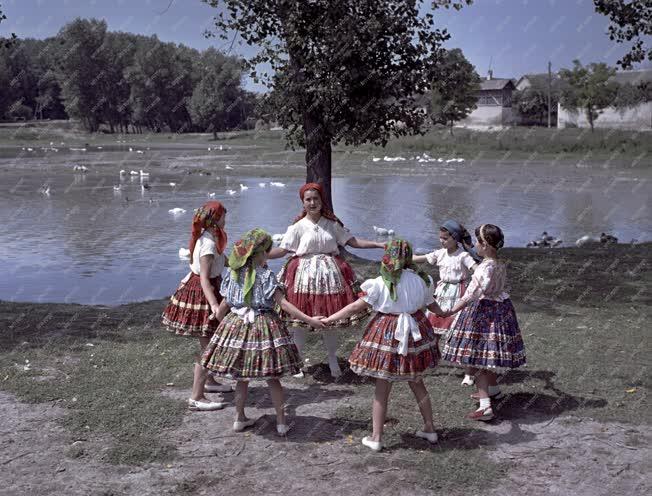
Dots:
pixel 588 87
pixel 348 71
pixel 631 21
pixel 454 92
pixel 117 80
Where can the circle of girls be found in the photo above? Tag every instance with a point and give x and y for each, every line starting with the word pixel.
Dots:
pixel 242 313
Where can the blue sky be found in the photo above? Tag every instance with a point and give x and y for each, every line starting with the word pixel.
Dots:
pixel 514 36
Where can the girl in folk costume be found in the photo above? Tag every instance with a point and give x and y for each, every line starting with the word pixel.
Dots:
pixel 251 341
pixel 317 279
pixel 455 260
pixel 399 343
pixel 198 296
pixel 485 335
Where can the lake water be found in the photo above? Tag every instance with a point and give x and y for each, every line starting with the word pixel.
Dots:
pixel 86 243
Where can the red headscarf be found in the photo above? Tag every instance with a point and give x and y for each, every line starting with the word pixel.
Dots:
pixel 324 212
pixel 206 219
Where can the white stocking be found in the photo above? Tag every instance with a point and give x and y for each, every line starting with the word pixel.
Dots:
pixel 330 340
pixel 300 335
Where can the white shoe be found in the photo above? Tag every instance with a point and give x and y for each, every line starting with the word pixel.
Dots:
pixel 241 425
pixel 282 429
pixel 428 436
pixel 374 445
pixel 468 380
pixel 205 405
pixel 218 388
pixel 300 375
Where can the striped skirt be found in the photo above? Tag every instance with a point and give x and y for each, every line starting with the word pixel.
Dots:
pixel 446 295
pixel 188 310
pixel 376 354
pixel 320 285
pixel 262 349
pixel 486 335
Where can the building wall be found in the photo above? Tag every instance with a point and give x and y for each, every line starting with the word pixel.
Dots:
pixel 638 118
pixel 489 115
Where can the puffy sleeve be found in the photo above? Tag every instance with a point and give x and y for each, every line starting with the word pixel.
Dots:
pixel 480 282
pixel 342 234
pixel 270 284
pixel 430 290
pixel 467 261
pixel 433 257
pixel 291 238
pixel 207 246
pixel 371 291
pixel 226 282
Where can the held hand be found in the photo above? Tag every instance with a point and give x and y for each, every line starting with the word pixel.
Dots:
pixel 316 323
pixel 325 320
pixel 213 314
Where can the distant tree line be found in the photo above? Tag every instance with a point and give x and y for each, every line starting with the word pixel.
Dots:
pixel 115 81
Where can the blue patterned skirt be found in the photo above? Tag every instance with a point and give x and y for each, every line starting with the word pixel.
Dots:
pixel 486 335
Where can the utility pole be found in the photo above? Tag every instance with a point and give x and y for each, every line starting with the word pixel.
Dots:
pixel 549 91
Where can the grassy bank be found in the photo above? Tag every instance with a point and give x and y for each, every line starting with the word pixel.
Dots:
pixel 584 314
pixel 531 143
pixel 631 148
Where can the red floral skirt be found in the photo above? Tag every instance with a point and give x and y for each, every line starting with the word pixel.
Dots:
pixel 188 311
pixel 376 354
pixel 320 285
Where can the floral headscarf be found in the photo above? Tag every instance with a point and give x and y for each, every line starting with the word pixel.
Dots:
pixel 459 233
pixel 206 218
pixel 324 212
pixel 398 256
pixel 252 243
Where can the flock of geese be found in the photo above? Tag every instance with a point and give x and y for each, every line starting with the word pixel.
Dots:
pixel 548 241
pixel 544 241
pixel 424 158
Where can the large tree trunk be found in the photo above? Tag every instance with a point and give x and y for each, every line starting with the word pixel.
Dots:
pixel 318 156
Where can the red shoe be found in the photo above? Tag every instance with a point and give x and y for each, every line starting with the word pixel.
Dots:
pixel 482 415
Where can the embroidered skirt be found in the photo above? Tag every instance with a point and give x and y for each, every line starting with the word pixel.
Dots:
pixel 188 311
pixel 486 335
pixel 262 349
pixel 446 295
pixel 376 354
pixel 320 285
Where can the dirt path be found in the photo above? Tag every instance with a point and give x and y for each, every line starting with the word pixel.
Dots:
pixel 567 455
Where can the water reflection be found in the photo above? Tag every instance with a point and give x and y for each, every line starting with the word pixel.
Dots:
pixel 89 243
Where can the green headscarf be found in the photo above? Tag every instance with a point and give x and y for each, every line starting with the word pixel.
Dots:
pixel 241 257
pixel 398 256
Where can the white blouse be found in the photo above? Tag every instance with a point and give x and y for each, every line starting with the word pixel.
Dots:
pixel 452 268
pixel 206 246
pixel 412 294
pixel 489 282
pixel 307 238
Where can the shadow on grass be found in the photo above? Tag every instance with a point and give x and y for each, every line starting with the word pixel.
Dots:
pixel 294 397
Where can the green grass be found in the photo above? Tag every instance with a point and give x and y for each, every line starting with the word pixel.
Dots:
pixel 112 388
pixel 516 143
pixel 531 143
pixel 584 314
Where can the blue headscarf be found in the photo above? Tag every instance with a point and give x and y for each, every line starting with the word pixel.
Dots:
pixel 462 236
